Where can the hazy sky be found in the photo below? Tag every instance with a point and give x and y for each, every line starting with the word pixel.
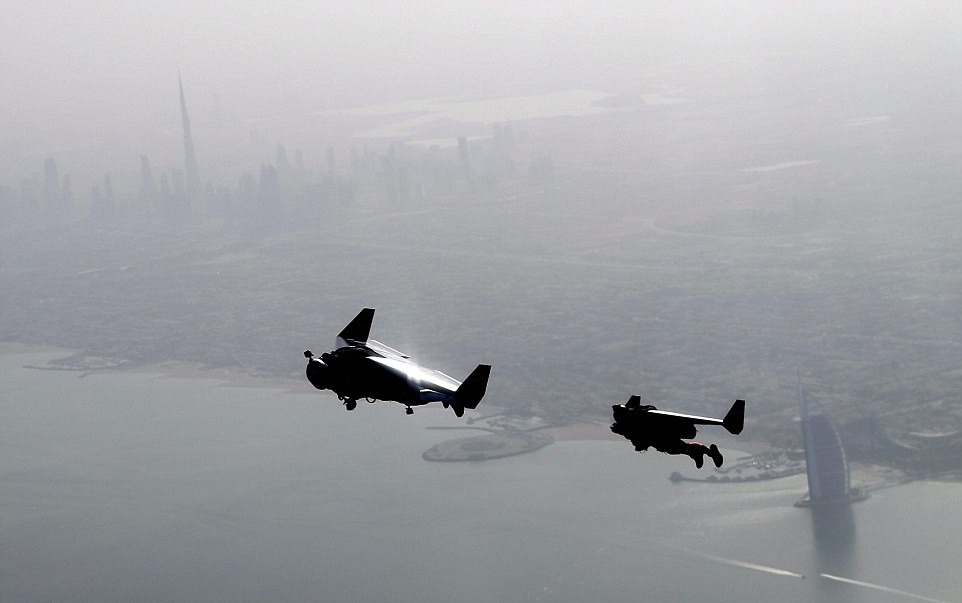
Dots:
pixel 73 71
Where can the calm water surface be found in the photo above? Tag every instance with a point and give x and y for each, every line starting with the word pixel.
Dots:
pixel 122 487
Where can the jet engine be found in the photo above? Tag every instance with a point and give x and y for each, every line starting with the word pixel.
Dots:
pixel 318 373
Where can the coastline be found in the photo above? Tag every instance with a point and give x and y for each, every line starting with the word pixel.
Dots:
pixel 90 364
pixel 13 348
pixel 498 442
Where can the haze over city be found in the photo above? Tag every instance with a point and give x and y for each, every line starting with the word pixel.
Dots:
pixel 690 202
pixel 96 78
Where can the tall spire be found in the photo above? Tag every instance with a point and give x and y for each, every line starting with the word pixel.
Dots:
pixel 190 160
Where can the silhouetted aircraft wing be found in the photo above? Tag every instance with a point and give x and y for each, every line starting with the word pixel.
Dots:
pixel 385 350
pixel 357 331
pixel 439 379
pixel 687 418
pixel 428 377
pixel 734 421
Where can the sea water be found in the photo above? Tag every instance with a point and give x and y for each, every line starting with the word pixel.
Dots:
pixel 137 486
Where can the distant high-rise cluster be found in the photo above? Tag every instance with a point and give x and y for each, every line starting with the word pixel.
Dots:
pixel 192 188
pixel 56 193
pixel 281 193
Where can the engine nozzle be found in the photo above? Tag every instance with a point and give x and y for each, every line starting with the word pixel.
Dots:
pixel 318 373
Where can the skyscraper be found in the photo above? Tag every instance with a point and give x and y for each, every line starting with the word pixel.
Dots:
pixel 51 186
pixel 192 174
pixel 825 459
pixel 464 157
pixel 148 188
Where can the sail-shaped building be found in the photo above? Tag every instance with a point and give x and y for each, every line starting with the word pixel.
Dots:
pixel 827 467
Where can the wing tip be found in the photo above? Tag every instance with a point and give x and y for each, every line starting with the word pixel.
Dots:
pixel 734 421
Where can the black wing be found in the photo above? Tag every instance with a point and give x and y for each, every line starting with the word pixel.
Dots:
pixel 358 330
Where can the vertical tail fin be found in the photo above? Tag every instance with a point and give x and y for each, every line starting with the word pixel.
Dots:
pixel 470 392
pixel 358 329
pixel 734 421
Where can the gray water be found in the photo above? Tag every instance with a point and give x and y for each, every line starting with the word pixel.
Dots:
pixel 126 486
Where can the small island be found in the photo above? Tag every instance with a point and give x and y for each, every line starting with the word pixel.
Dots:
pixel 487 447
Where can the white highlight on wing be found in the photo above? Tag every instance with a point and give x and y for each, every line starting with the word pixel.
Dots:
pixel 384 350
pixel 693 418
pixel 423 375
